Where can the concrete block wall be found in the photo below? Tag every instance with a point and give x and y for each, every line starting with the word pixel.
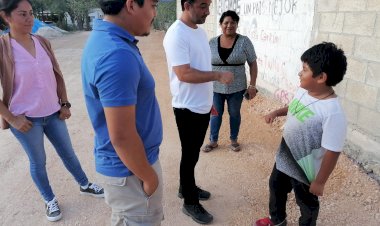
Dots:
pixel 211 23
pixel 354 25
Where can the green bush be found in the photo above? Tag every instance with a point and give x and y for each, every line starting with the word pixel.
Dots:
pixel 166 15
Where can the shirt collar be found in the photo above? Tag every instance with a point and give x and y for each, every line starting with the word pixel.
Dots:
pixel 102 25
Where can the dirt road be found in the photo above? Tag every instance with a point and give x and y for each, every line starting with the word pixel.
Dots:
pixel 238 181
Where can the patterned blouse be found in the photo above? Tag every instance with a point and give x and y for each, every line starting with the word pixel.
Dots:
pixel 243 51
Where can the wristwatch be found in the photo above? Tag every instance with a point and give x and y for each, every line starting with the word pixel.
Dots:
pixel 66 104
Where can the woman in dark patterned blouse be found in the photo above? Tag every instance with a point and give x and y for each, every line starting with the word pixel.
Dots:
pixel 230 51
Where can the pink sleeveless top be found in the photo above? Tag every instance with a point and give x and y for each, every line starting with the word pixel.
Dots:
pixel 35 86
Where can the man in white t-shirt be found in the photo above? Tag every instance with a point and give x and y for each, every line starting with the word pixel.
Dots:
pixel 189 64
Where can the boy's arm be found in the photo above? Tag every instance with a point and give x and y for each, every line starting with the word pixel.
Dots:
pixel 328 164
pixel 269 118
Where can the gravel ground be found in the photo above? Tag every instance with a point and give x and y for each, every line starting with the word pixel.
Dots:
pixel 238 181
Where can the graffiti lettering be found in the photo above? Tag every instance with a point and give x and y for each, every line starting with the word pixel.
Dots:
pixel 283 95
pixel 275 8
pixel 271 64
pixel 255 8
pixel 262 36
pixel 280 7
pixel 268 37
pixel 224 5
pixel 271 78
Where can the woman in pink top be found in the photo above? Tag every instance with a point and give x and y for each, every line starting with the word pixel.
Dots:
pixel 35 102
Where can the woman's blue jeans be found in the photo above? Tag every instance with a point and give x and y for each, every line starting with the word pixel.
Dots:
pixel 234 101
pixel 33 144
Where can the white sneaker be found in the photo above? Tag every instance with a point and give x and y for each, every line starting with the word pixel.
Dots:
pixel 93 190
pixel 53 213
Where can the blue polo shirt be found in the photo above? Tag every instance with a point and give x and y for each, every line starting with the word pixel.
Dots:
pixel 114 74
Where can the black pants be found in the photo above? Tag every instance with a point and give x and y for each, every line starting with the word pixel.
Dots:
pixel 280 185
pixel 192 129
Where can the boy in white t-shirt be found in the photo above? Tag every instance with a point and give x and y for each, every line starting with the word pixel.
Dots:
pixel 313 136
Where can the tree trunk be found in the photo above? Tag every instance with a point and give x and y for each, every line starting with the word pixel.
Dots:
pixel 80 22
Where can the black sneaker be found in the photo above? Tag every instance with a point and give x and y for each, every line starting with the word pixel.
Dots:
pixel 93 190
pixel 53 213
pixel 202 194
pixel 197 213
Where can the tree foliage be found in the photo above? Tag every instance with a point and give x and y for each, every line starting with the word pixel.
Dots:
pixel 166 15
pixel 79 9
pixel 76 9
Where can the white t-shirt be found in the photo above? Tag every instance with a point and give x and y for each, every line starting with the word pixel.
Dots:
pixel 185 45
pixel 312 127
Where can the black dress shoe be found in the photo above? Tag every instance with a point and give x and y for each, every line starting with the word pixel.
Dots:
pixel 197 213
pixel 202 194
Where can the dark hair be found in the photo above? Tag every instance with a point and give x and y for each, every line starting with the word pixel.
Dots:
pixel 230 13
pixel 9 5
pixel 327 58
pixel 183 3
pixel 113 7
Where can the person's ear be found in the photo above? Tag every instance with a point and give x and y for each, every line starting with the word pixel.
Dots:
pixel 186 5
pixel 129 5
pixel 322 78
pixel 4 17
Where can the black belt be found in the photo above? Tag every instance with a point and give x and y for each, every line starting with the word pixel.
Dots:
pixel 225 65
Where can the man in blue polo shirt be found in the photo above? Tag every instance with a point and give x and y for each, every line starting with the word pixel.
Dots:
pixel 120 96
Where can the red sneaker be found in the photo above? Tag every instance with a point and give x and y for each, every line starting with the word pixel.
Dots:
pixel 267 222
pixel 264 222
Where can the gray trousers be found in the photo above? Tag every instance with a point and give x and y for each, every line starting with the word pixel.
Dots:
pixel 130 205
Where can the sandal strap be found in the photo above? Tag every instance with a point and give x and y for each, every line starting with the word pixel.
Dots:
pixel 235 147
pixel 209 147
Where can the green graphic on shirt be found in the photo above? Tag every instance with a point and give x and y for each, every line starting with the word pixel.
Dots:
pixel 300 111
pixel 307 165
